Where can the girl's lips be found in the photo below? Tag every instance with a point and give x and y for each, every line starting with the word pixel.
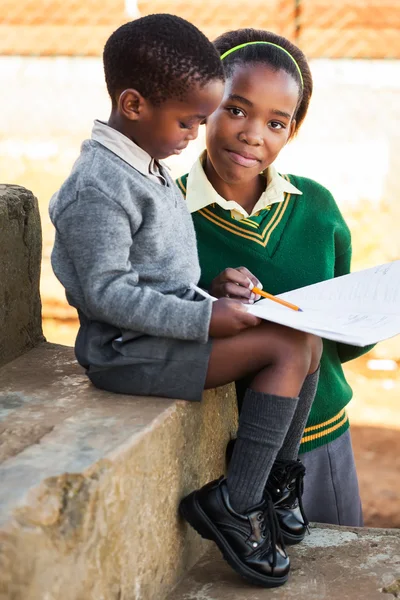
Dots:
pixel 242 160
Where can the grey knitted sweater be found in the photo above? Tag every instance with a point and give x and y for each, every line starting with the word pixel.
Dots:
pixel 125 250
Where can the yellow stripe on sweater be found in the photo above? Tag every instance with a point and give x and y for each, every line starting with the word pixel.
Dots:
pixel 236 230
pixel 250 222
pixel 259 238
pixel 181 186
pixel 325 432
pixel 325 423
pixel 243 235
pixel 280 218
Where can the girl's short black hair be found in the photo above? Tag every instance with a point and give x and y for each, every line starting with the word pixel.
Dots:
pixel 271 56
pixel 161 56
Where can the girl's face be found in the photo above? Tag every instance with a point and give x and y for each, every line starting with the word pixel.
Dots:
pixel 252 124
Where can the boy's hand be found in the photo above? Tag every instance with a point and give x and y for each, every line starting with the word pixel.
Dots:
pixel 230 317
pixel 237 284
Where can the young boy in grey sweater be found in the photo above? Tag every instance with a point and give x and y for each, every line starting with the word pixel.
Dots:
pixel 125 251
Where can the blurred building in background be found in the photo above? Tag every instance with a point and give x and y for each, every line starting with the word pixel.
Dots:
pixel 339 29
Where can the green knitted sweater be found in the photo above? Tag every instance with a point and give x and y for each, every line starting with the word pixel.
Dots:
pixel 298 242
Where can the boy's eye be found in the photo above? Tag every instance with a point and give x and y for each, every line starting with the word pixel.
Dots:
pixel 276 125
pixel 236 112
pixel 185 125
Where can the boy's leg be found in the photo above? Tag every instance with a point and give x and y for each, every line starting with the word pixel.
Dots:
pixel 282 358
pixel 277 359
pixel 285 483
pixel 236 513
pixel 263 425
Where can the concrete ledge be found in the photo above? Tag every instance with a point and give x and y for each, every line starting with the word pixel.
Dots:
pixel 333 563
pixel 90 482
pixel 20 255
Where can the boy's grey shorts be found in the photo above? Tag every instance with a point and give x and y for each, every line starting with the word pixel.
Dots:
pixel 157 367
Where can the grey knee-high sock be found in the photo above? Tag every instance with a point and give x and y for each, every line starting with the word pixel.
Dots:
pixel 263 425
pixel 291 444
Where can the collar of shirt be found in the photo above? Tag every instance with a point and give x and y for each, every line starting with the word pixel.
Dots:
pixel 200 193
pixel 126 149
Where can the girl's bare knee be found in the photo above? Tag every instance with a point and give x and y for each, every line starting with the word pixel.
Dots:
pixel 295 348
pixel 303 350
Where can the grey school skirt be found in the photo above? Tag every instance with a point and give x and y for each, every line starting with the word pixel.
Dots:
pixel 331 493
pixel 151 366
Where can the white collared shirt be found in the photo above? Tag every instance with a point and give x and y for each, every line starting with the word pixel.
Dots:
pixel 126 149
pixel 200 193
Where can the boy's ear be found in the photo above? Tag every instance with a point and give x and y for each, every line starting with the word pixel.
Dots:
pixel 131 104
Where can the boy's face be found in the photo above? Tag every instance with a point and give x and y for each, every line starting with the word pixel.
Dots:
pixel 168 128
pixel 252 124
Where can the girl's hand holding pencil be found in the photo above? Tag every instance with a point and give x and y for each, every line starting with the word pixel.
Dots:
pixel 237 284
pixel 241 284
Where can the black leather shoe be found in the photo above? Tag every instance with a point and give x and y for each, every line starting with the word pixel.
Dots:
pixel 251 542
pixel 285 486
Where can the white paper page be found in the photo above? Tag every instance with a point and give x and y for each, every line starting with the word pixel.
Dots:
pixel 371 290
pixel 348 327
pixel 358 309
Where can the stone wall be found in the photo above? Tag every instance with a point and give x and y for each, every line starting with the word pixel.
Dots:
pixel 20 252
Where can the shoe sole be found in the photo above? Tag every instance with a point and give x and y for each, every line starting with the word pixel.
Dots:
pixel 192 512
pixel 290 539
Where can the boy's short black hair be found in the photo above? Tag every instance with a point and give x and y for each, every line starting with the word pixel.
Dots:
pixel 161 56
pixel 271 56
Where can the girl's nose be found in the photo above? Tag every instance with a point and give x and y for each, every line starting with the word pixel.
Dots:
pixel 252 137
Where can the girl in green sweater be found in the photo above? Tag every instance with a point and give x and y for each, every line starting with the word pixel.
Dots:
pixel 288 232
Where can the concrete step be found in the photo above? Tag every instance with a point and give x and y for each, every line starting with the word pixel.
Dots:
pixel 90 482
pixel 20 253
pixel 335 563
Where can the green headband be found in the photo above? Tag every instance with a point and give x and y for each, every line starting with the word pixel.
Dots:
pixel 228 52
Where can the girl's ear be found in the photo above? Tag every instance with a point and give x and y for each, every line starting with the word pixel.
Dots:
pixel 131 104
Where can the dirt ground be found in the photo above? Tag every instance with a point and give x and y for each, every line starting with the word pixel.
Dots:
pixel 377 452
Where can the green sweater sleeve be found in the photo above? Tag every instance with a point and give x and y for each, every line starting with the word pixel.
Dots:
pixel 346 352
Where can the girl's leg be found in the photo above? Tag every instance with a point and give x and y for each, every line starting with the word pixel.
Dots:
pixel 291 444
pixel 281 358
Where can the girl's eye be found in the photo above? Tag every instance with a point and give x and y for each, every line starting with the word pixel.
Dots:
pixel 185 126
pixel 236 112
pixel 276 125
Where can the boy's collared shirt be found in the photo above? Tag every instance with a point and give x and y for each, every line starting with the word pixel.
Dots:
pixel 200 193
pixel 126 149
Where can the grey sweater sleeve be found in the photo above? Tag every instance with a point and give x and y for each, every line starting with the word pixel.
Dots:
pixel 98 237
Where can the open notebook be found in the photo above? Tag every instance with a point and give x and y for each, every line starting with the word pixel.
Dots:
pixel 358 309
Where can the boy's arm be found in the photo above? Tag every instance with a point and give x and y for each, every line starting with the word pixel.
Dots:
pixel 97 234
pixel 346 352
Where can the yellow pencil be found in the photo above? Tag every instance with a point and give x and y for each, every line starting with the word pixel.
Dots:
pixel 278 300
